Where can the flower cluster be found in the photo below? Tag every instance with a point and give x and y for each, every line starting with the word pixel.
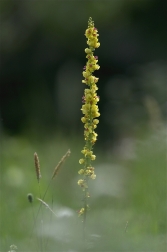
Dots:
pixel 89 108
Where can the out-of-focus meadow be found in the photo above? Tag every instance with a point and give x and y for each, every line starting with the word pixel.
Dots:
pixel 42 59
pixel 128 198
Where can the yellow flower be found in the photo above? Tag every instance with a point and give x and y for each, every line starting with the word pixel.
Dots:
pixel 93 157
pixel 86 74
pixel 93 176
pixel 80 182
pixel 81 211
pixel 81 161
pixel 95 121
pixel 84 151
pixel 81 171
pixel 83 119
pixel 87 50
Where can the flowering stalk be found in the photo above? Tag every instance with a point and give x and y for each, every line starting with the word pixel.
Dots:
pixel 91 112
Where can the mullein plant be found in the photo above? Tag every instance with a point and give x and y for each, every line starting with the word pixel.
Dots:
pixel 90 113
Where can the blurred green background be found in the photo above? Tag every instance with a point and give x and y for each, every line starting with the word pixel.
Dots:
pixel 42 57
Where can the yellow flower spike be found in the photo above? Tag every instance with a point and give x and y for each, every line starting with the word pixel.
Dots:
pixel 90 111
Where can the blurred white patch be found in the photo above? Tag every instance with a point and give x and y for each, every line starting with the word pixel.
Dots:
pixel 60 226
pixel 65 212
pixel 110 181
pixel 95 236
pixel 125 148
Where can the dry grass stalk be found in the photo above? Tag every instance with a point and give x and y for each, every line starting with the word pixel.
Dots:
pixel 37 166
pixel 43 202
pixel 57 168
pixel 46 205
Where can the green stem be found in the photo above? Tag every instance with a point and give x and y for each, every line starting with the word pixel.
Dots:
pixel 85 211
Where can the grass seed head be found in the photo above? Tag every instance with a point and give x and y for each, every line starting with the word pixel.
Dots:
pixel 30 197
pixel 57 168
pixel 37 166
